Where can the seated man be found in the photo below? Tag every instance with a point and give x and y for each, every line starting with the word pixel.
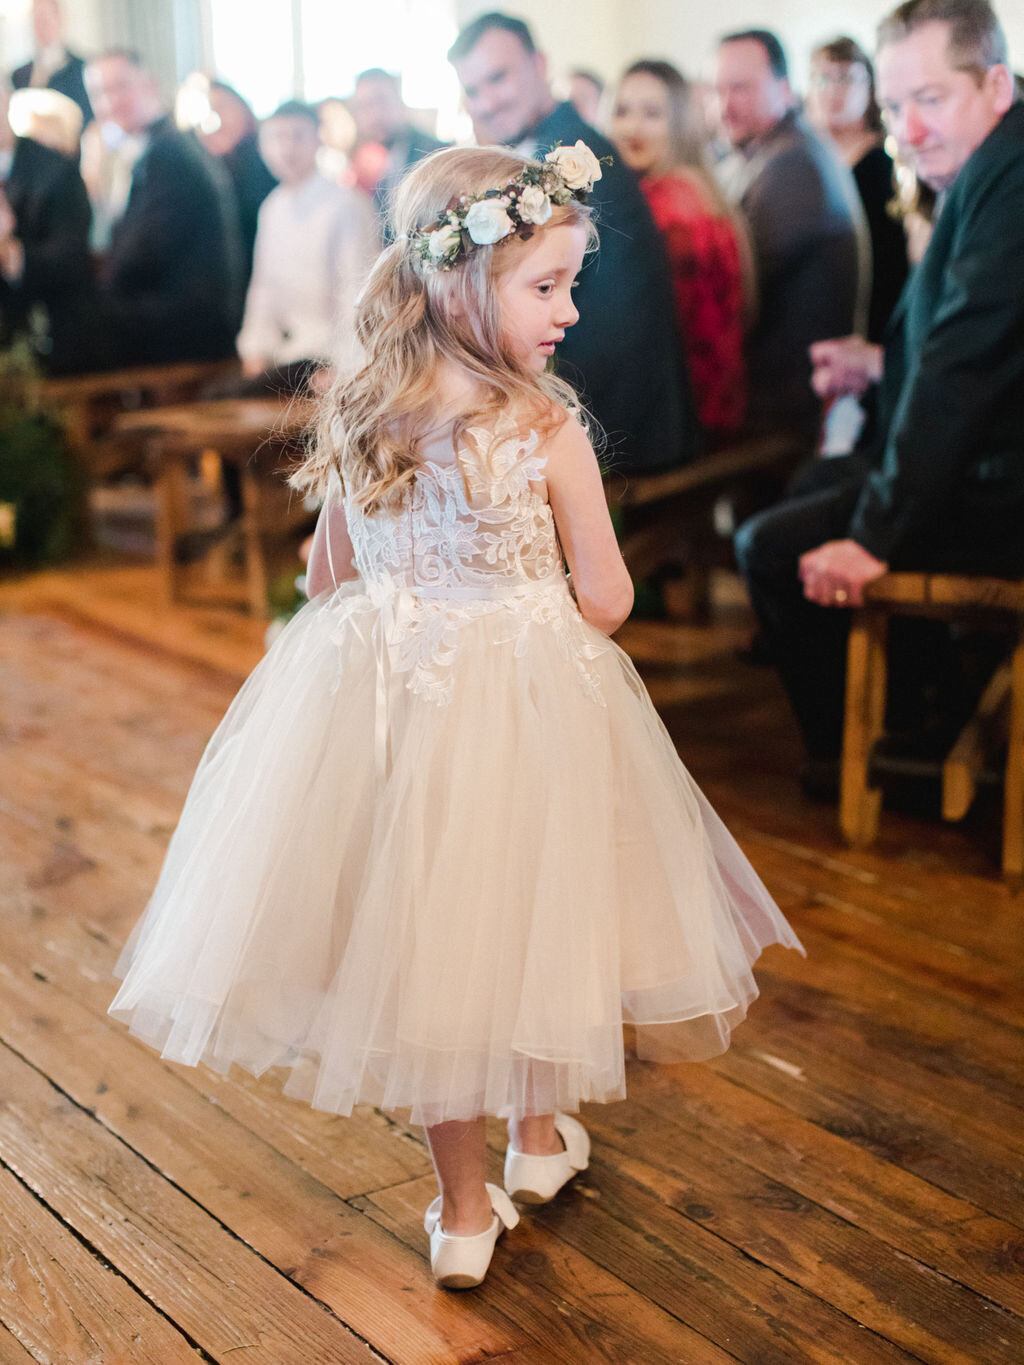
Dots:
pixel 315 241
pixel 623 354
pixel 812 253
pixel 169 283
pixel 943 486
pixel 384 124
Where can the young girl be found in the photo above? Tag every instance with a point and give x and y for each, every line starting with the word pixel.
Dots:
pixel 441 846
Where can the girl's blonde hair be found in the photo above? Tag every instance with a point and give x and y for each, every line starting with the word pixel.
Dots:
pixel 410 322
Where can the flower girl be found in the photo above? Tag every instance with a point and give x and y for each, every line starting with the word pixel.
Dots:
pixel 441 847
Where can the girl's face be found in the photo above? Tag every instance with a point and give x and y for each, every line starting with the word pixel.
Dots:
pixel 839 94
pixel 640 124
pixel 535 293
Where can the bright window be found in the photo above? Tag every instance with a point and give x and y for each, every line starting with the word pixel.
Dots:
pixel 274 49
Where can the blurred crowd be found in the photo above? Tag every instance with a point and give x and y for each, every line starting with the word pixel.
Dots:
pixel 754 249
pixel 739 223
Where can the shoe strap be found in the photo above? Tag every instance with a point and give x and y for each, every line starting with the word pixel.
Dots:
pixel 574 1135
pixel 432 1217
pixel 502 1205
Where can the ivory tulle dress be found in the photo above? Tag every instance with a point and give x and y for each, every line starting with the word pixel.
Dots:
pixel 441 847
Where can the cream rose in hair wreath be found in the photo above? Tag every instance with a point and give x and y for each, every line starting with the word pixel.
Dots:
pixel 516 208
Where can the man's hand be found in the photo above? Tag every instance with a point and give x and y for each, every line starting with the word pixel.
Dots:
pixel 845 365
pixel 835 574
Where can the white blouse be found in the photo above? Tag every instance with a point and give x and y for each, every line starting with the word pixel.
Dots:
pixel 315 243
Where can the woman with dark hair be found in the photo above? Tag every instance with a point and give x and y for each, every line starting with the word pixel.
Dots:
pixel 657 127
pixel 231 136
pixel 841 104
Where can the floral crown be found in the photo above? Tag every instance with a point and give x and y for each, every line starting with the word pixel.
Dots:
pixel 523 203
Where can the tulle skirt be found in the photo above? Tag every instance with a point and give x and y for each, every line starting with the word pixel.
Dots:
pixel 445 903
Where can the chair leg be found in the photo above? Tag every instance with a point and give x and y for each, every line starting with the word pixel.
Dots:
pixel 256 567
pixel 171 516
pixel 1013 791
pixel 859 804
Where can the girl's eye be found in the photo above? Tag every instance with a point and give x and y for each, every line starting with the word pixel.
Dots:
pixel 545 289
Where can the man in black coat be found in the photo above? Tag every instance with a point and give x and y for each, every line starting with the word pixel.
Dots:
pixel 942 487
pixel 170 281
pixel 623 354
pixel 53 66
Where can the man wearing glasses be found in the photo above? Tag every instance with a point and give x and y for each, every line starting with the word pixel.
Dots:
pixel 941 487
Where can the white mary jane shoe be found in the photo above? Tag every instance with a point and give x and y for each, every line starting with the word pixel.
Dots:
pixel 462 1262
pixel 536 1179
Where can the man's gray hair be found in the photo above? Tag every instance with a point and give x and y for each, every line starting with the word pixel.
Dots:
pixel 976 38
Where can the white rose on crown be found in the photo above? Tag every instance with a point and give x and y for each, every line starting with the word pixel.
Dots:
pixel 442 241
pixel 534 205
pixel 487 222
pixel 578 166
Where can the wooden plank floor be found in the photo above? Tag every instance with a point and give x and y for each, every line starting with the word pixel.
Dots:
pixel 843 1186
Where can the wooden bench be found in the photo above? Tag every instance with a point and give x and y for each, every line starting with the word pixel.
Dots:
pixel 666 517
pixel 89 403
pixel 255 434
pixel 1000 713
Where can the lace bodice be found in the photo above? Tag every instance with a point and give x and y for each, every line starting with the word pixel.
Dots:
pixel 473 524
pixel 475 537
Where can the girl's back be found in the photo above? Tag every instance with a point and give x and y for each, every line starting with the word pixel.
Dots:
pixel 476 520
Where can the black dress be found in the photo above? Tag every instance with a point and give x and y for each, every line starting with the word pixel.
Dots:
pixel 874 176
pixel 251 181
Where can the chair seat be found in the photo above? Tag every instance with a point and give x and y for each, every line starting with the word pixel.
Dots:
pixel 946 593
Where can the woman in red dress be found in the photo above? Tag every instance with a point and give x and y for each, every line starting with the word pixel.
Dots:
pixel 657 128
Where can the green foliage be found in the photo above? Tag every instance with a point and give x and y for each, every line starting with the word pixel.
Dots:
pixel 39 489
pixel 283 595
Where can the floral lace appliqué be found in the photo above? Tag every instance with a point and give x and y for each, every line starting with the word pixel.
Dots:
pixel 474 538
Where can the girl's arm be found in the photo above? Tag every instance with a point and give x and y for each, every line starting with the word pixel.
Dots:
pixel 603 588
pixel 330 557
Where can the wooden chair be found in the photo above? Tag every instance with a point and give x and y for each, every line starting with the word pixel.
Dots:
pixel 954 598
pixel 258 435
pixel 667 516
pixel 89 404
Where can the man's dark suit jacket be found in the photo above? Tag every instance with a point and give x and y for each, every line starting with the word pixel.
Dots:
pixel 623 354
pixel 170 281
pixel 68 79
pixel 811 256
pixel 948 489
pixel 52 216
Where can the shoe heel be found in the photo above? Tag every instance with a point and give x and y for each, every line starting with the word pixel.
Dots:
pixel 537 1179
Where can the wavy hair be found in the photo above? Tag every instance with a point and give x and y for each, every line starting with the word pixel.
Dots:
pixel 409 323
